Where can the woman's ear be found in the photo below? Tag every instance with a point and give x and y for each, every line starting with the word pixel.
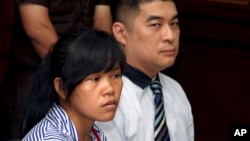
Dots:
pixel 119 32
pixel 59 88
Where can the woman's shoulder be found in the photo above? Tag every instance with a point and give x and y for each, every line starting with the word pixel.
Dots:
pixel 97 134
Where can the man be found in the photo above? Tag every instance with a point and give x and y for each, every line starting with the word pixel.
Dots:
pixel 148 32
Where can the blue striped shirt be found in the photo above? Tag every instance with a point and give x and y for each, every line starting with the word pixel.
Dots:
pixel 57 126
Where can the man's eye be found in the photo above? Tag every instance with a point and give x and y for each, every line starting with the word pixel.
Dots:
pixel 155 25
pixel 175 24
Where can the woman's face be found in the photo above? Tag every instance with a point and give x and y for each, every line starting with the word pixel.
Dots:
pixel 97 96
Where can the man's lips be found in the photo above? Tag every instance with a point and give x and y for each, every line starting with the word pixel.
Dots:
pixel 168 52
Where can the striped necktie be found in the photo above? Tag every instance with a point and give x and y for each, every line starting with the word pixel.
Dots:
pixel 160 126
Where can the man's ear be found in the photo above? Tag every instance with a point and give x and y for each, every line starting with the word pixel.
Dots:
pixel 119 32
pixel 59 88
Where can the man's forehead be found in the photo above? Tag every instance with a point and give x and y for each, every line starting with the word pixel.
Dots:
pixel 158 9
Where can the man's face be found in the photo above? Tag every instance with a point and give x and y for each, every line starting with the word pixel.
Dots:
pixel 152 44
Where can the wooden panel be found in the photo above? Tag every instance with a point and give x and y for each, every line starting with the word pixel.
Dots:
pixel 6 25
pixel 3 63
pixel 243 2
pixel 226 22
pixel 6 12
pixel 5 40
pixel 213 65
pixel 217 83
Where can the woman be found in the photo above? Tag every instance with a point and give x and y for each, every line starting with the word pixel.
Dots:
pixel 78 83
pixel 38 25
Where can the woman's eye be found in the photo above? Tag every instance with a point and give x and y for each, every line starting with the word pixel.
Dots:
pixel 95 79
pixel 118 75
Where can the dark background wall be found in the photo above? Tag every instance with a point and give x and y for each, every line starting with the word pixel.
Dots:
pixel 6 25
pixel 213 65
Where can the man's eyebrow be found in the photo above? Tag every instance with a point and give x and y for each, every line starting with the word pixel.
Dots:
pixel 175 17
pixel 155 17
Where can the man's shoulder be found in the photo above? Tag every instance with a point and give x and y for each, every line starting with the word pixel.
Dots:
pixel 126 79
pixel 167 80
pixel 129 84
pixel 165 77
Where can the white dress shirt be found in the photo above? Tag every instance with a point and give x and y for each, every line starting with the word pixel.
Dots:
pixel 134 118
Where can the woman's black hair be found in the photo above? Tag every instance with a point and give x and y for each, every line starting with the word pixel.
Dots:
pixel 76 54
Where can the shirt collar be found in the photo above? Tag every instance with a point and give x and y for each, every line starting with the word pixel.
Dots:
pixel 59 118
pixel 137 77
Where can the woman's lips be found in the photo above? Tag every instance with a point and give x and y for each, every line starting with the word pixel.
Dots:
pixel 112 104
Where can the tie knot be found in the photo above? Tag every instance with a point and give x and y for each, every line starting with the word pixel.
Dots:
pixel 155 85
